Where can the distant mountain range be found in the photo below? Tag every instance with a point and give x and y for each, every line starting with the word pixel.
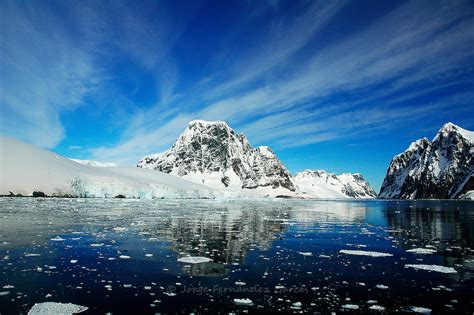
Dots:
pixel 213 154
pixel 211 160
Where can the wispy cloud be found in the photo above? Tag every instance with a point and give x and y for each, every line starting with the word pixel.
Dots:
pixel 43 73
pixel 286 83
pixel 412 44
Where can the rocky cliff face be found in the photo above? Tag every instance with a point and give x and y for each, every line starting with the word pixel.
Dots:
pixel 330 185
pixel 212 153
pixel 439 169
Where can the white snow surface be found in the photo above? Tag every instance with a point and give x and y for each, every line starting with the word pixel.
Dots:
pixel 434 268
pixel 364 253
pixel 25 168
pixel 327 185
pixel 94 163
pixel 48 308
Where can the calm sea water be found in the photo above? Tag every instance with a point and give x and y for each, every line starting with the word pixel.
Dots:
pixel 121 256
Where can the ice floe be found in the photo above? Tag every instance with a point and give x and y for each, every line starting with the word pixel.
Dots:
pixel 434 268
pixel 421 310
pixel 364 253
pixel 350 306
pixel 421 251
pixel 243 302
pixel 48 308
pixel 194 260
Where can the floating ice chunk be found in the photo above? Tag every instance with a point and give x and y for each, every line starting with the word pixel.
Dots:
pixel 169 293
pixel 350 306
pixel 421 251
pixel 48 308
pixel 422 310
pixel 97 244
pixel 3 293
pixel 32 255
pixel 124 257
pixel 240 283
pixel 120 229
pixel 8 286
pixel 247 302
pixel 73 261
pixel 434 268
pixel 305 253
pixel 194 260
pixel 148 255
pixel 296 306
pixel 364 253
pixel 57 239
pixel 381 287
pixel 376 308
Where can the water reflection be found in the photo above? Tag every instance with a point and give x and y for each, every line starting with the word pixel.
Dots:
pixel 270 243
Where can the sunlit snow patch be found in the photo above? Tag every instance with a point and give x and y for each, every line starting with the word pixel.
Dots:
pixel 434 268
pixel 364 253
pixel 48 308
pixel 194 260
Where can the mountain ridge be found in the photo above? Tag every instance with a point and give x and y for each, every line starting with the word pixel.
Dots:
pixel 213 154
pixel 438 169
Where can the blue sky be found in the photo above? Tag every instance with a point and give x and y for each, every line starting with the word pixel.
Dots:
pixel 335 85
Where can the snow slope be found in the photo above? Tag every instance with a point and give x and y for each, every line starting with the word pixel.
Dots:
pixel 328 185
pixel 94 163
pixel 25 168
pixel 439 169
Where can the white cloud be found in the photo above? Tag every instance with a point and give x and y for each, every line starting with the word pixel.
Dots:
pixel 416 42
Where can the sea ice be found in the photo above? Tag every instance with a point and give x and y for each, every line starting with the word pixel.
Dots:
pixel 376 308
pixel 364 253
pixel 57 239
pixel 434 268
pixel 243 302
pixel 421 251
pixel 422 310
pixel 350 306
pixel 48 308
pixel 194 260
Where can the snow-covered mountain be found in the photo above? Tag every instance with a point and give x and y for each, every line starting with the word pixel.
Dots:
pixel 94 163
pixel 213 154
pixel 439 169
pixel 329 185
pixel 25 168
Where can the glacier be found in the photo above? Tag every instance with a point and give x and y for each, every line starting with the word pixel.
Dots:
pixel 26 168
